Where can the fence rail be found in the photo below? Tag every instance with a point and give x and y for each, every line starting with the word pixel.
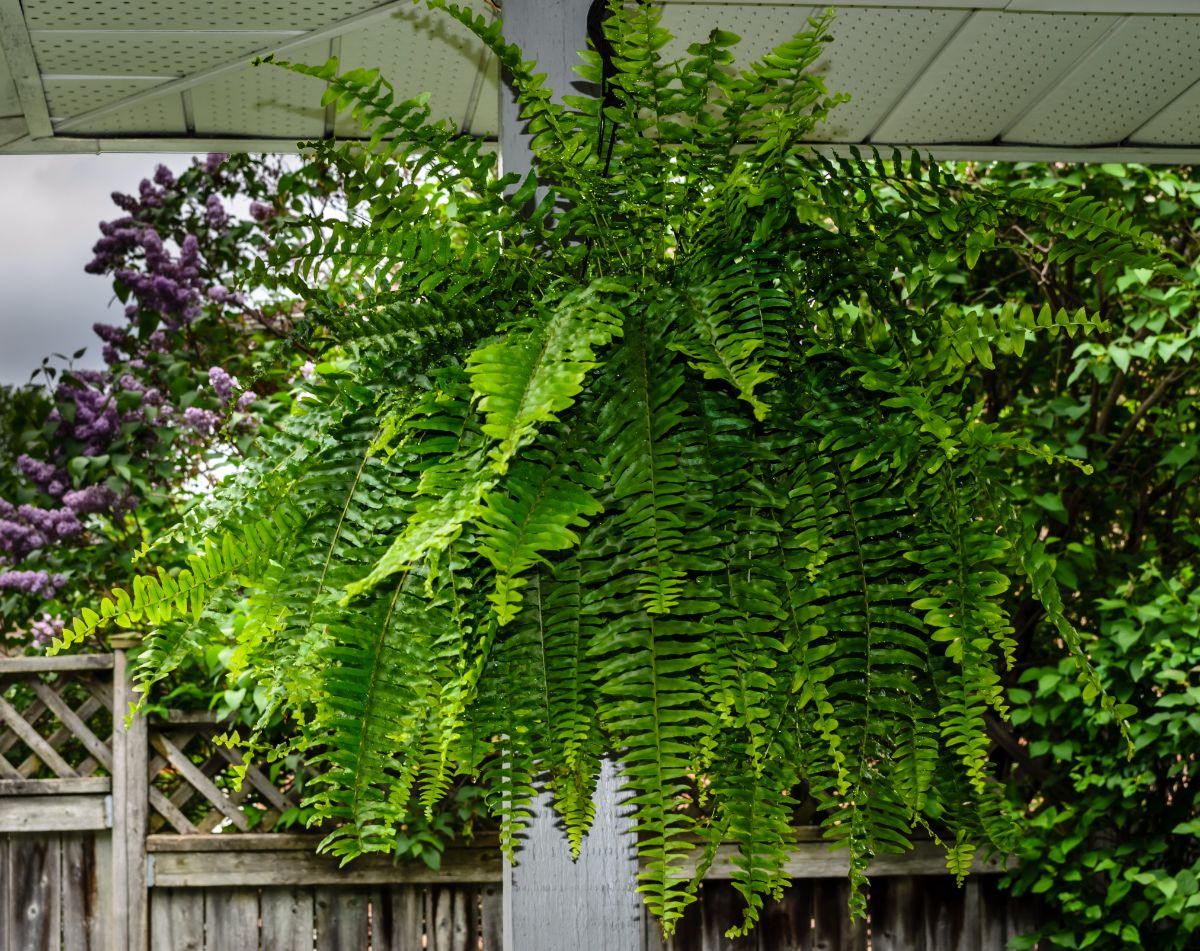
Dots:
pixel 120 836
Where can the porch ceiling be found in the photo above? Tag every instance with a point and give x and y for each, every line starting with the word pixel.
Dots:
pixel 1009 79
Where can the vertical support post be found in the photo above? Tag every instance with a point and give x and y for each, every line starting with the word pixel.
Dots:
pixel 130 796
pixel 591 904
pixel 551 32
pixel 550 902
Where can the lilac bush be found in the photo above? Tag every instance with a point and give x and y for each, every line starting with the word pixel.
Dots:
pixel 109 464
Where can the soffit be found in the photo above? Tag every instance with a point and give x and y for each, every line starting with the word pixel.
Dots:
pixel 1083 79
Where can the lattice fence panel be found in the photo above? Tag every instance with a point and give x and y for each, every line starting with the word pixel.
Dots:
pixel 194 787
pixel 55 724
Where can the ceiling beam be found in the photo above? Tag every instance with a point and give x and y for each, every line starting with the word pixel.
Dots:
pixel 18 52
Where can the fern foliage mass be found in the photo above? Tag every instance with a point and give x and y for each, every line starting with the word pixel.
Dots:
pixel 661 452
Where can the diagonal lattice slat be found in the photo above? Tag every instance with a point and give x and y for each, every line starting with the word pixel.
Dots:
pixel 43 750
pixel 195 775
pixel 53 723
pixel 56 721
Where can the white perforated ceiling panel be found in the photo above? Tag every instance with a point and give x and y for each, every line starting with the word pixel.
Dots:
pixel 192 15
pixel 158 116
pixel 1148 60
pixel 956 101
pixel 264 101
pixel 1175 124
pixel 418 51
pixel 483 116
pixel 874 57
pixel 72 96
pixel 761 28
pixel 1044 75
pixel 150 53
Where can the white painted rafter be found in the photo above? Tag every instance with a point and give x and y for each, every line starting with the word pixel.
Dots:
pixel 18 52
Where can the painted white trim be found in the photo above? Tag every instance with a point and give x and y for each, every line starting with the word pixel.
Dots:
pixel 18 52
pixel 1083 7
pixel 1016 152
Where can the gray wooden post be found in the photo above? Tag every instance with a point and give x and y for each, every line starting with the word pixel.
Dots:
pixel 550 902
pixel 130 795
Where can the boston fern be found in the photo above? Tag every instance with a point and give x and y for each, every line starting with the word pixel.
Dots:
pixel 662 453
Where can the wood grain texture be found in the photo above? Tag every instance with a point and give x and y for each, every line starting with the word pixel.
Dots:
pixel 398 918
pixel 176 920
pixel 31 738
pixel 53 814
pixel 84 918
pixel 36 665
pixel 287 918
pixel 786 925
pixel 5 886
pixel 451 918
pixel 295 867
pixel 991 913
pixel 130 778
pixel 491 918
pixel 595 902
pixel 33 873
pixel 832 928
pixel 896 923
pixel 201 783
pixel 71 786
pixel 341 919
pixel 231 919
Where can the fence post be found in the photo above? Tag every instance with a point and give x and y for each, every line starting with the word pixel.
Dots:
pixel 130 795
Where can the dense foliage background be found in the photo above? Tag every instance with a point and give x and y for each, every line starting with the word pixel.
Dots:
pixel 1109 842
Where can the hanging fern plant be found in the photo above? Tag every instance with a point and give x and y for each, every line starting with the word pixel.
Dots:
pixel 675 466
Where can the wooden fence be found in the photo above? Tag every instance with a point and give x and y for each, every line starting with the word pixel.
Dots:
pixel 129 839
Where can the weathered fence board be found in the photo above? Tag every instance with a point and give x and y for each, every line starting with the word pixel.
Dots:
pixel 177 920
pixel 53 892
pixel 34 868
pixel 86 785
pixel 230 918
pixel 84 910
pixel 398 919
pixel 342 921
pixel 54 814
pixel 295 867
pixel 287 918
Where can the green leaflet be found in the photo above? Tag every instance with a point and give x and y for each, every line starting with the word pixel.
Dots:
pixel 536 517
pixel 524 380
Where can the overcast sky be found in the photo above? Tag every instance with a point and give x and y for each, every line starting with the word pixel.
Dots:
pixel 50 206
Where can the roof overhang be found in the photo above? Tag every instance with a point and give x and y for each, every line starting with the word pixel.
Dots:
pixel 1098 80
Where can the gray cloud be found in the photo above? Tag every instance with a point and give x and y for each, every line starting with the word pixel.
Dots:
pixel 50 206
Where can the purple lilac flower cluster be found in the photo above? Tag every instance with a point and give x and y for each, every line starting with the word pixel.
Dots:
pixel 25 529
pixel 203 421
pixel 50 479
pixel 46 629
pixel 222 383
pixel 261 211
pixel 42 583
